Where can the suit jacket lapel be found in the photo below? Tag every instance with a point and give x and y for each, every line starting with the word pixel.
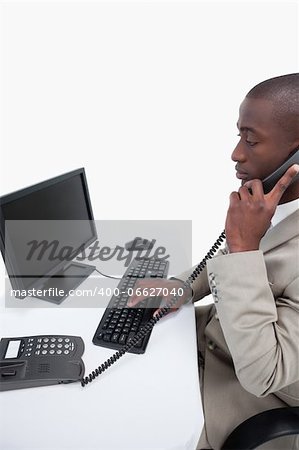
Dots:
pixel 282 232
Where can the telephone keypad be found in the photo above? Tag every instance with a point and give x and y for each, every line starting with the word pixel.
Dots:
pixel 47 346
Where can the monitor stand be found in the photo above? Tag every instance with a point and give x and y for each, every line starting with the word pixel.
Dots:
pixel 69 278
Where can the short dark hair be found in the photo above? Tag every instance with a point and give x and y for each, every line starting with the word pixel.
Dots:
pixel 283 91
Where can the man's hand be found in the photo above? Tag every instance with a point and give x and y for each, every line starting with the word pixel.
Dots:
pixel 249 214
pixel 160 287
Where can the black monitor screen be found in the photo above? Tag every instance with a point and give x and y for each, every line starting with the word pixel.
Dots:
pixel 64 200
pixel 43 226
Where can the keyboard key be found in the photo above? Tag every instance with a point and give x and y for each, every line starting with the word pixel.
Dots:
pixel 122 339
pixel 139 344
pixel 115 337
pixel 130 337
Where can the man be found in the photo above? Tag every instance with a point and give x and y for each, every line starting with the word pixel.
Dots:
pixel 248 339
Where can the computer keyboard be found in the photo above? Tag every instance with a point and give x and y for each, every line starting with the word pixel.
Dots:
pixel 119 324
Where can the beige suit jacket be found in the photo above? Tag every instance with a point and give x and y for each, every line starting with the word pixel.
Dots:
pixel 252 341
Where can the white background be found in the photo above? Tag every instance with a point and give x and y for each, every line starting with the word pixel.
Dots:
pixel 144 95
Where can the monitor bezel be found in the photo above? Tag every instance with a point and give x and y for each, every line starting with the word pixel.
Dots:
pixel 10 261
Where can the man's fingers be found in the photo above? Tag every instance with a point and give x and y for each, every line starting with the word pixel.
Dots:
pixel 256 188
pixel 244 193
pixel 283 183
pixel 141 291
pixel 234 198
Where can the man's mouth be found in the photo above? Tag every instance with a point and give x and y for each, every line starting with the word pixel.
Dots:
pixel 241 175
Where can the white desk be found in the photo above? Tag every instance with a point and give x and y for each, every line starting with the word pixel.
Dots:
pixel 144 402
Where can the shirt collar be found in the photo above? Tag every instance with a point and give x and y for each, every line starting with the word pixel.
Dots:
pixel 284 210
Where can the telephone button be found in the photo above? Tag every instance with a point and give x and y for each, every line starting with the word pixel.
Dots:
pixel 59 352
pixel 67 340
pixel 59 345
pixel 66 352
pixel 52 345
pixel 60 339
pixel 44 352
pixel 45 340
pixel 53 340
pixel 45 346
pixel 52 352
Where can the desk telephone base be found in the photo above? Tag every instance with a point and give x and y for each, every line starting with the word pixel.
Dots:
pixel 40 361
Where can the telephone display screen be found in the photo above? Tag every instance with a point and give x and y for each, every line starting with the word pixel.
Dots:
pixel 12 350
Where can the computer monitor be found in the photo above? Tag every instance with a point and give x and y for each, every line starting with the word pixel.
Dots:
pixel 42 229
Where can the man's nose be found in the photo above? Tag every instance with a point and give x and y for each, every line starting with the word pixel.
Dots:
pixel 238 155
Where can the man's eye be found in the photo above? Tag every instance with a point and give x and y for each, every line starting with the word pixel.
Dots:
pixel 252 144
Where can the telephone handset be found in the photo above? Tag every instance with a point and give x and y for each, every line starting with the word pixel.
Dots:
pixel 40 361
pixel 21 366
pixel 270 181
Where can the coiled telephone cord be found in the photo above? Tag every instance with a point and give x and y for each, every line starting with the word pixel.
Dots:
pixel 152 322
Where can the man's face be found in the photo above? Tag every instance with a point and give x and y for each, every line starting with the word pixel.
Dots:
pixel 263 144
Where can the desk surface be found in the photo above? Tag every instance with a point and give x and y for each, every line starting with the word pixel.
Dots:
pixel 149 401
